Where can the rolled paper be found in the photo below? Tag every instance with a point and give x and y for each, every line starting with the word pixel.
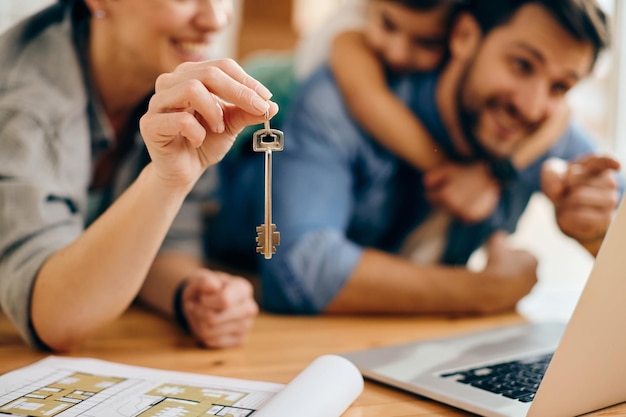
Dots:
pixel 325 388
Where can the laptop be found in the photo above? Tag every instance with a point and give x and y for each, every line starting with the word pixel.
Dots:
pixel 529 370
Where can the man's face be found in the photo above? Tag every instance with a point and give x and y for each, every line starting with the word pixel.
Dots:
pixel 518 76
pixel 406 39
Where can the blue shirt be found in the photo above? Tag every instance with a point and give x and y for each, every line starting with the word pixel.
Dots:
pixel 336 191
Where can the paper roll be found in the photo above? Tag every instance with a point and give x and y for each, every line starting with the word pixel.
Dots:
pixel 325 388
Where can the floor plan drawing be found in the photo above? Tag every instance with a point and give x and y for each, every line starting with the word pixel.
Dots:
pixel 59 387
pixel 52 399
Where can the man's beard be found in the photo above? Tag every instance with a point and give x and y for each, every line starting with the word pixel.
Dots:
pixel 469 119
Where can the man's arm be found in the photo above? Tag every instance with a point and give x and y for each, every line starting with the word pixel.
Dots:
pixel 384 283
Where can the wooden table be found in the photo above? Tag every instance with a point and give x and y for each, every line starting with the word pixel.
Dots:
pixel 277 350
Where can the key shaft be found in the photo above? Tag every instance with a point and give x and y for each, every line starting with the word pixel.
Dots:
pixel 267 140
pixel 269 227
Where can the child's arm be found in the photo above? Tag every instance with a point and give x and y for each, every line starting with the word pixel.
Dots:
pixel 462 189
pixel 538 143
pixel 532 147
pixel 390 122
pixel 361 80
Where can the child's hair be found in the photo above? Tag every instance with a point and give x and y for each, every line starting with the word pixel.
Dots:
pixel 583 19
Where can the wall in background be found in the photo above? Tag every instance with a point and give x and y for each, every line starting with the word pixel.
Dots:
pixel 310 13
pixel 267 25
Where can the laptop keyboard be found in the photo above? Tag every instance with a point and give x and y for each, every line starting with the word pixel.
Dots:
pixel 517 379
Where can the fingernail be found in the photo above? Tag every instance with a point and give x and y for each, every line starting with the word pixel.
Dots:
pixel 275 105
pixel 263 92
pixel 219 128
pixel 260 104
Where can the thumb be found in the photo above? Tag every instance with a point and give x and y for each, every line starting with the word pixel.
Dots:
pixel 497 243
pixel 553 173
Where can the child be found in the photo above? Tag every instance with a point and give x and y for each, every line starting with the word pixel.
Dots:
pixel 368 39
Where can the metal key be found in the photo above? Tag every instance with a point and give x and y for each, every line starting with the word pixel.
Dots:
pixel 267 140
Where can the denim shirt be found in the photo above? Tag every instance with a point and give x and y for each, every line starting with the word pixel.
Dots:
pixel 51 130
pixel 336 191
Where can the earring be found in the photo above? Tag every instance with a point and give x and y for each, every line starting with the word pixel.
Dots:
pixel 99 14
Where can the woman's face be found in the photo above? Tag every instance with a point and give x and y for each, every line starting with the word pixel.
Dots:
pixel 155 36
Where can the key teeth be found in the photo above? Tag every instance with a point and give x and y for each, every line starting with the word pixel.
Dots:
pixel 260 240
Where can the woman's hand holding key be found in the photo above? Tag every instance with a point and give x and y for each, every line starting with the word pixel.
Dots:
pixel 195 114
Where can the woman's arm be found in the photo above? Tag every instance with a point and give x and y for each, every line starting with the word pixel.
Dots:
pixel 186 129
pixel 217 308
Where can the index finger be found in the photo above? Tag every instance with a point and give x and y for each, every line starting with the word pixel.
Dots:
pixel 589 167
pixel 228 82
pixel 235 71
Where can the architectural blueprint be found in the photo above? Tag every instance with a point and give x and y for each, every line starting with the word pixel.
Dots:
pixel 69 387
pixel 66 387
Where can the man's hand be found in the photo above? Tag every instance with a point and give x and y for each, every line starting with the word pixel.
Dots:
pixel 195 114
pixel 510 274
pixel 585 195
pixel 467 191
pixel 219 308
